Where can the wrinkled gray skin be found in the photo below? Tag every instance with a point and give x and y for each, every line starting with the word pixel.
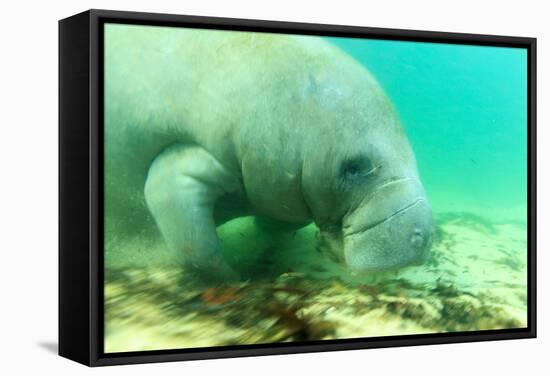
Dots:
pixel 215 125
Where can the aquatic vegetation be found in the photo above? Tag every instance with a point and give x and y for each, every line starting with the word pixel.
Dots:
pixel 158 306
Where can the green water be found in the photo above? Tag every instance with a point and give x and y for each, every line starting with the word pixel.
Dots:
pixel 464 109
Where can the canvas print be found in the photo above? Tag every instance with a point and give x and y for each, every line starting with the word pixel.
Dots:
pixel 262 188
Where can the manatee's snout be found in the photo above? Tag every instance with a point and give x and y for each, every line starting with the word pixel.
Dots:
pixel 394 228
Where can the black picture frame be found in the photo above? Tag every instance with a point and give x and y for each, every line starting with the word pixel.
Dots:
pixel 80 186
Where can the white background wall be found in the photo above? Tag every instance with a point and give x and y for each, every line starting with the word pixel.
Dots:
pixel 28 185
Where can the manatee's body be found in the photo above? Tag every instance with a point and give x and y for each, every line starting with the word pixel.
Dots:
pixel 212 125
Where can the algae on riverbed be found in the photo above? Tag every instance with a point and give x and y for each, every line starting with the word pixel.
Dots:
pixel 475 279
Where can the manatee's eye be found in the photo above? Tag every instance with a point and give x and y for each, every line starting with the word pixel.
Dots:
pixel 356 168
pixel 353 170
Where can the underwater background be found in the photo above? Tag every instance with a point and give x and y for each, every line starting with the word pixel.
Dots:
pixel 464 109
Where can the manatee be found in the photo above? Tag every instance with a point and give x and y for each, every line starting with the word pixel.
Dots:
pixel 203 126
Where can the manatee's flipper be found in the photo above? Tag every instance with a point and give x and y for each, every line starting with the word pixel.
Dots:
pixel 183 184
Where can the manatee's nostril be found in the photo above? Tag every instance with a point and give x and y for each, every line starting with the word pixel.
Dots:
pixel 417 238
